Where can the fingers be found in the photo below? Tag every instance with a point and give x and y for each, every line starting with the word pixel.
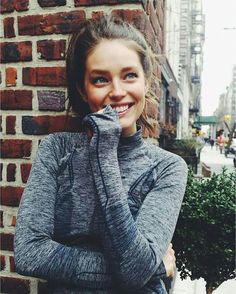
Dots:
pixel 170 250
pixel 169 260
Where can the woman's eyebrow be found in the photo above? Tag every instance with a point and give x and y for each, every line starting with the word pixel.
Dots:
pixel 102 71
pixel 130 68
pixel 99 71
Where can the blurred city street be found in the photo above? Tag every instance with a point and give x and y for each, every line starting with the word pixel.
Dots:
pixel 215 160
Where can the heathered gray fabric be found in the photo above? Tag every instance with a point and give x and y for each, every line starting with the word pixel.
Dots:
pixel 98 215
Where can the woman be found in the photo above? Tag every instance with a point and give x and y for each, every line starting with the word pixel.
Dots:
pixel 100 206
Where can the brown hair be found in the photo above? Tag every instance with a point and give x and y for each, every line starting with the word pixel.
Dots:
pixel 90 33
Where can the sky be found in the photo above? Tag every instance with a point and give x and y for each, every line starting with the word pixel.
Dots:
pixel 219 51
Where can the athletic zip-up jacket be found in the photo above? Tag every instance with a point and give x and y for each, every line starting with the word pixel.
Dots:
pixel 98 213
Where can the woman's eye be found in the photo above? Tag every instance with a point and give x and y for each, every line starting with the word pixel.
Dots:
pixel 99 80
pixel 131 76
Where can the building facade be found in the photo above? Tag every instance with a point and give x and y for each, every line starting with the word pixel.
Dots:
pixel 182 66
pixel 226 110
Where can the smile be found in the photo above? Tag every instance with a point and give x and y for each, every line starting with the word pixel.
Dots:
pixel 122 109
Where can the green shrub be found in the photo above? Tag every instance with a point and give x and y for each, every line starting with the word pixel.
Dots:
pixel 188 145
pixel 204 239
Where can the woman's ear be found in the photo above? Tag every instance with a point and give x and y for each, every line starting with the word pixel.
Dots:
pixel 82 95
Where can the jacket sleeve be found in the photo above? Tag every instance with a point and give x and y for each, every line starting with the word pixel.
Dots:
pixel 36 253
pixel 136 249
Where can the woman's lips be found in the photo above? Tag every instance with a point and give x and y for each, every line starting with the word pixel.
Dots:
pixel 122 108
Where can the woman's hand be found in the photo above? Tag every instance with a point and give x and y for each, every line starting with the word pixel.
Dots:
pixel 105 121
pixel 169 261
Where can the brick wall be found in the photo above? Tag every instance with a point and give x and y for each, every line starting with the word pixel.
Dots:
pixel 33 45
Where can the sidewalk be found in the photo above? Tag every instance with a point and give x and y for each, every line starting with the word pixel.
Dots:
pixel 212 158
pixel 198 287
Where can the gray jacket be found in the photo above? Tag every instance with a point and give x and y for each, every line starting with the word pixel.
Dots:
pixel 98 214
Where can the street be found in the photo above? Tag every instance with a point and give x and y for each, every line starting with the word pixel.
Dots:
pixel 212 158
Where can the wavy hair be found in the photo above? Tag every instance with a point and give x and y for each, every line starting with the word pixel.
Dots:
pixel 82 42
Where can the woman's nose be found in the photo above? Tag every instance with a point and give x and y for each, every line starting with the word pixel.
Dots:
pixel 117 90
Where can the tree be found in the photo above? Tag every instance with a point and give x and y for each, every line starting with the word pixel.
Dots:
pixel 204 236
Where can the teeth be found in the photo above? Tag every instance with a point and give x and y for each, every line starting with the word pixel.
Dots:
pixel 121 108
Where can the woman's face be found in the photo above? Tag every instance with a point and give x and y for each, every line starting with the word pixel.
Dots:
pixel 114 75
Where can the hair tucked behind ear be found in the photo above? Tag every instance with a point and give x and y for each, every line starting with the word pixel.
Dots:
pixel 89 34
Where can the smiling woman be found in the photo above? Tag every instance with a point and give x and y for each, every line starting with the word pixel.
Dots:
pixel 111 79
pixel 134 64
pixel 100 206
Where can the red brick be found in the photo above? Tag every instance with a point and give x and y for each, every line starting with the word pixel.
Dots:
pixel 11 76
pixel 8 24
pixel 21 5
pixel 151 37
pixel 51 100
pixel 16 100
pixel 25 171
pixel 51 3
pixel 51 50
pixel 96 2
pixel 11 148
pixel 136 16
pixel 11 5
pixel 161 39
pixel 44 76
pixel 153 18
pixel 140 20
pixel 6 6
pixel 11 196
pixel 7 241
pixel 1 219
pixel 11 172
pixel 45 124
pixel 2 262
pixel 57 23
pixel 15 51
pixel 14 285
pixel 160 14
pixel 11 125
pixel 102 2
pixel 12 264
